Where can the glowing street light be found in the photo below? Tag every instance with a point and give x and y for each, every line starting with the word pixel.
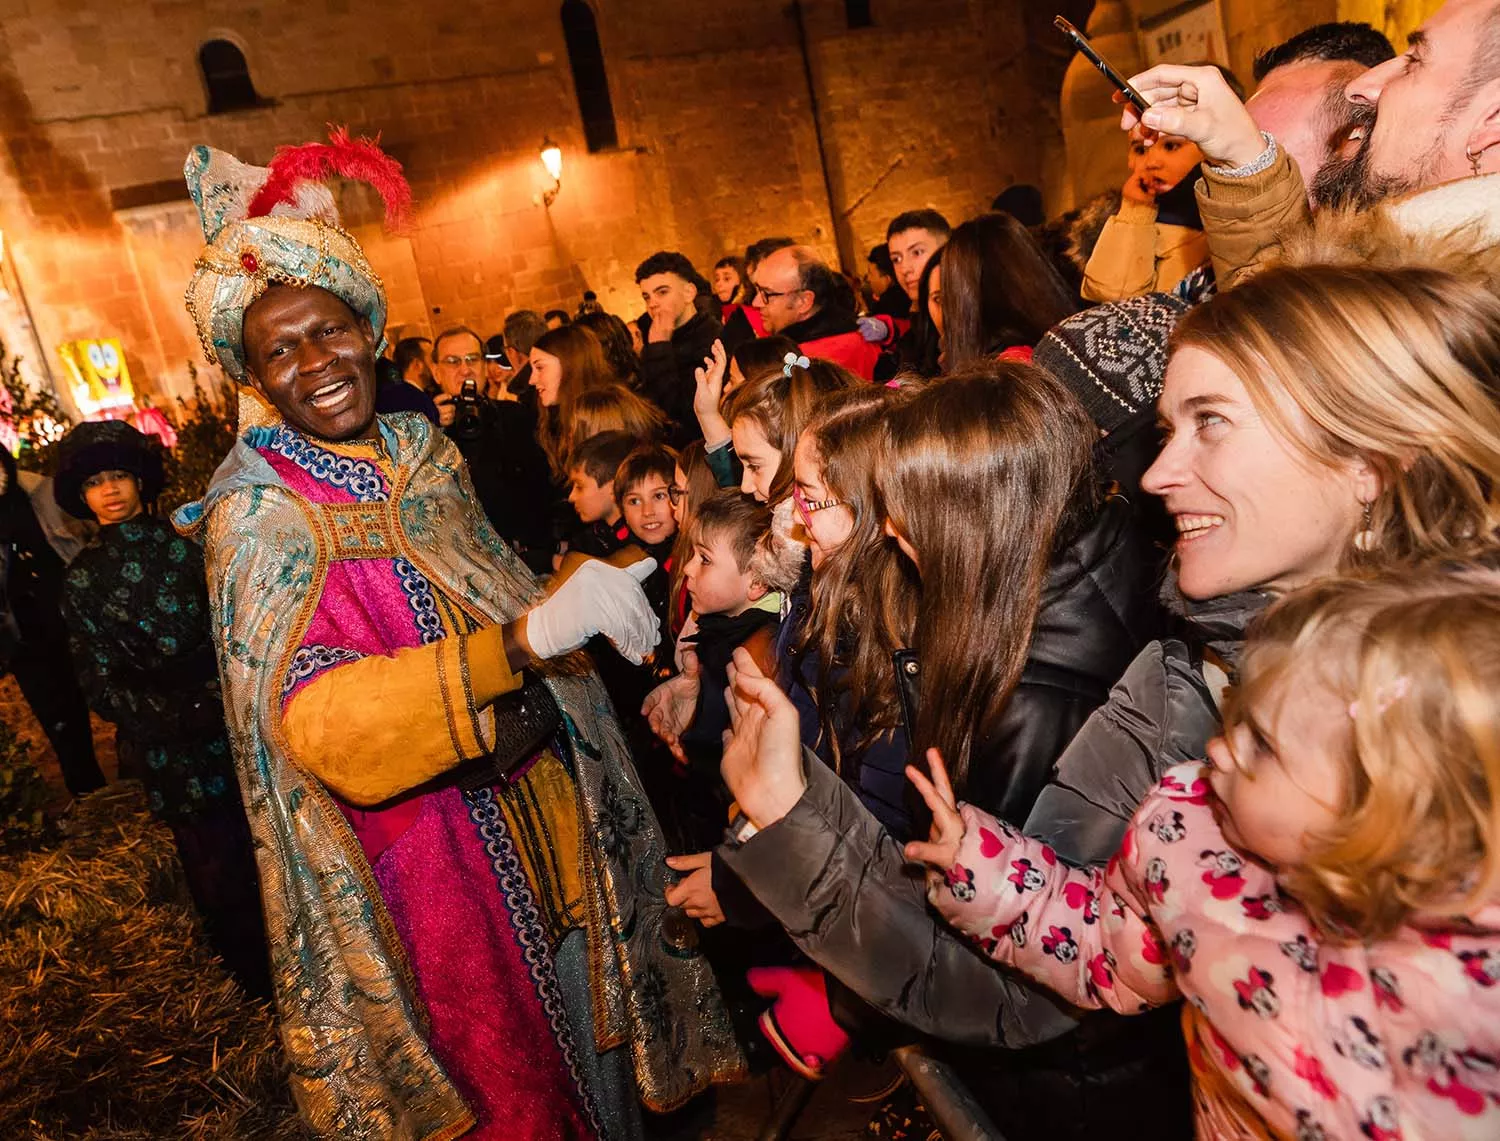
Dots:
pixel 552 160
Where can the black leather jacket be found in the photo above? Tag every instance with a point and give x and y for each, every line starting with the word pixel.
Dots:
pixel 1098 608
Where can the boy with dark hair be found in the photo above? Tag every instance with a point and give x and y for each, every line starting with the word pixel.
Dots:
pixel 678 334
pixel 912 238
pixel 643 489
pixel 591 478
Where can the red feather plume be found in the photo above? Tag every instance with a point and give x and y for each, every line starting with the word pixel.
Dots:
pixel 358 159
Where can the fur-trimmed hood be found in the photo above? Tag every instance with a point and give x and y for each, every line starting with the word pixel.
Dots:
pixel 1455 225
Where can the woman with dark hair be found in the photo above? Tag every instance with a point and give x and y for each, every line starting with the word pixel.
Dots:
pixel 1000 292
pixel 988 485
pixel 565 362
pixel 617 343
pixel 136 606
pixel 921 350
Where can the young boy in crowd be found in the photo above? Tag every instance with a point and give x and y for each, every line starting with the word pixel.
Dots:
pixel 642 488
pixel 737 568
pixel 591 477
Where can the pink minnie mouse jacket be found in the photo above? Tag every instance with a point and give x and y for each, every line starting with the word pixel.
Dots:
pixel 1288 1036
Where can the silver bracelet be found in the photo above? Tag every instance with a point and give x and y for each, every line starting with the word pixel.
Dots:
pixel 1261 161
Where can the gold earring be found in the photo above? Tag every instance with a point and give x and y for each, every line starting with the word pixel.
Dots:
pixel 1364 538
pixel 1474 157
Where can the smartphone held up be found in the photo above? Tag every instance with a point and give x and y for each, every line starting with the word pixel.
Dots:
pixel 1120 83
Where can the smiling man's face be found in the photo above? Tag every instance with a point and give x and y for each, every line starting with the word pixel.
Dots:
pixel 313 358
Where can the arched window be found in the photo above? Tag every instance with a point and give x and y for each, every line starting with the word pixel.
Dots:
pixel 857 14
pixel 227 77
pixel 581 34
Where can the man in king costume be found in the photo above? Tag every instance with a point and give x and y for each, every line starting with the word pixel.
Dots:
pixel 456 952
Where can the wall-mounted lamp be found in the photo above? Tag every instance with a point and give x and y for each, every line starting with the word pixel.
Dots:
pixel 552 160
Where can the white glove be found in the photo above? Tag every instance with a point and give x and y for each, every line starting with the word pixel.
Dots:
pixel 597 599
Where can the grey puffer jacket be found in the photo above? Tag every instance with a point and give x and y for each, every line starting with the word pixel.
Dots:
pixel 1161 712
pixel 840 886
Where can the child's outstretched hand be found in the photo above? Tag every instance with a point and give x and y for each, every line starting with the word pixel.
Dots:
pixel 941 848
pixel 710 379
pixel 669 708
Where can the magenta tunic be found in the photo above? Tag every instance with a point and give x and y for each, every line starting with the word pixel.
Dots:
pixel 448 871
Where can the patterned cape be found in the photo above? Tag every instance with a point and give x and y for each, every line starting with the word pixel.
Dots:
pixel 351 1023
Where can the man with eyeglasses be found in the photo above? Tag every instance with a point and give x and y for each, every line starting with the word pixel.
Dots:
pixel 498 441
pixel 744 323
pixel 799 296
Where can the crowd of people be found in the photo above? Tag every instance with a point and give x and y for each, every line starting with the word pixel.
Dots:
pixel 1072 646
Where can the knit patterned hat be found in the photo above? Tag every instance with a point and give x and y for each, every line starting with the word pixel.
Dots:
pixel 1113 356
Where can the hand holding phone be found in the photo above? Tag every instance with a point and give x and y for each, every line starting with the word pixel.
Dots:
pixel 1199 105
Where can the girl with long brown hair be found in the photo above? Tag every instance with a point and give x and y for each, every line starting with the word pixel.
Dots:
pixel 1034 595
pixel 858 606
pixel 565 363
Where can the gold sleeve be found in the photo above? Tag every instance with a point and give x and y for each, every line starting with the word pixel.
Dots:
pixel 376 727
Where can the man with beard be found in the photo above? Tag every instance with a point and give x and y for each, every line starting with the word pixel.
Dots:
pixel 1429 118
pixel 462 880
pixel 1299 95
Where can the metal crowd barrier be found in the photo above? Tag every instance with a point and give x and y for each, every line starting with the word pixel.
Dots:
pixel 948 1101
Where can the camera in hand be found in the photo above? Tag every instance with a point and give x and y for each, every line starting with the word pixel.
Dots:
pixel 466 406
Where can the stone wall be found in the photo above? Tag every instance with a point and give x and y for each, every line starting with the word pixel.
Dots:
pixel 941 103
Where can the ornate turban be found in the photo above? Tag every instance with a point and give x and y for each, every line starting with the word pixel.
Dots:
pixel 278 224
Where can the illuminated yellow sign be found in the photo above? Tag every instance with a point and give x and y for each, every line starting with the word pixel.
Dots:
pixel 98 377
